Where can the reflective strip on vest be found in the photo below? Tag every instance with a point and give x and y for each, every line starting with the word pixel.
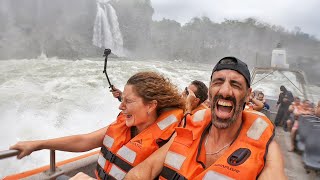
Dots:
pixel 174 159
pixel 116 172
pixel 108 141
pixel 257 128
pixel 127 154
pixel 167 122
pixel 199 115
pixel 258 113
pixel 101 161
pixel 215 175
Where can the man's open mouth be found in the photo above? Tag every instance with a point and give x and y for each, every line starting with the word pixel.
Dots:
pixel 224 108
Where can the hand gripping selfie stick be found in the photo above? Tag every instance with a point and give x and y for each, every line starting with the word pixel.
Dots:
pixel 106 53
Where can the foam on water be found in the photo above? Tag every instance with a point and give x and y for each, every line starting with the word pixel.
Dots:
pixel 43 99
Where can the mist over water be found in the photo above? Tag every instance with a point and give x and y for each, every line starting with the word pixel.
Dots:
pixel 46 98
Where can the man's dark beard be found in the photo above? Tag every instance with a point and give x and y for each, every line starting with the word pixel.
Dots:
pixel 225 123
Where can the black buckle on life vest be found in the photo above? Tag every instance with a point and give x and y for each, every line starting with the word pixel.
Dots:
pixel 171 174
pixel 110 156
pixel 103 175
pixel 239 156
pixel 177 176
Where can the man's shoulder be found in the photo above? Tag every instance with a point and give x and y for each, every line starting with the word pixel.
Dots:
pixel 252 117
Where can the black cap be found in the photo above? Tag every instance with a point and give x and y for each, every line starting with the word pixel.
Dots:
pixel 233 64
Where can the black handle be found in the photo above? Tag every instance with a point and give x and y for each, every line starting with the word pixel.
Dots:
pixel 106 54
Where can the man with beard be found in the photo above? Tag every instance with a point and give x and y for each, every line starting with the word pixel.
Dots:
pixel 284 101
pixel 222 142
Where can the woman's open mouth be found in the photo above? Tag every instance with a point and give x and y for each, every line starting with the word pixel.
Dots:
pixel 128 116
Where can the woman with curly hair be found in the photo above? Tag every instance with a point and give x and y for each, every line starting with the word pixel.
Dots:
pixel 151 108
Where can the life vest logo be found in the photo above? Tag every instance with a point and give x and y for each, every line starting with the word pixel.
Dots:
pixel 137 143
pixel 239 156
pixel 227 167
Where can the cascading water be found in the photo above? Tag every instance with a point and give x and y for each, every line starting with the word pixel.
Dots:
pixel 106 31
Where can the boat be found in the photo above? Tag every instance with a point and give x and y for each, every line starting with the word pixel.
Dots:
pixel 302 164
pixel 278 74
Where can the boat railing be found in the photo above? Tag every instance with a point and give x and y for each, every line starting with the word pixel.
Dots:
pixel 8 153
pixel 52 172
pixel 301 77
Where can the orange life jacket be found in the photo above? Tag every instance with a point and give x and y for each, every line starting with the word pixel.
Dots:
pixel 200 107
pixel 120 152
pixel 244 159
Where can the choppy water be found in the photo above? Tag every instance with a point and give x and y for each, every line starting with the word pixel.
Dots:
pixel 46 98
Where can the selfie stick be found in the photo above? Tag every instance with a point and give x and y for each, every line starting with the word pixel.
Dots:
pixel 106 53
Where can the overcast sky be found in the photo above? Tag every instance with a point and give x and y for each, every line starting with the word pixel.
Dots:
pixel 287 13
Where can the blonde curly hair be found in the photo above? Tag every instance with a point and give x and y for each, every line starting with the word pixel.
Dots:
pixel 153 86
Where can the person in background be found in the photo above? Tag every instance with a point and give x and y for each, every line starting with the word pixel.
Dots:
pixel 261 98
pixel 294 107
pixel 284 101
pixel 151 108
pixel 223 142
pixel 207 103
pixel 254 103
pixel 317 110
pixel 308 108
pixel 304 109
pixel 195 94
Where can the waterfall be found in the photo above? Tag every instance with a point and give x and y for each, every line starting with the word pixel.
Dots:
pixel 106 31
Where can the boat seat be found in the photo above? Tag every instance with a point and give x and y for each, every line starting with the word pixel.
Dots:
pixel 311 155
pixel 273 109
pixel 305 125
